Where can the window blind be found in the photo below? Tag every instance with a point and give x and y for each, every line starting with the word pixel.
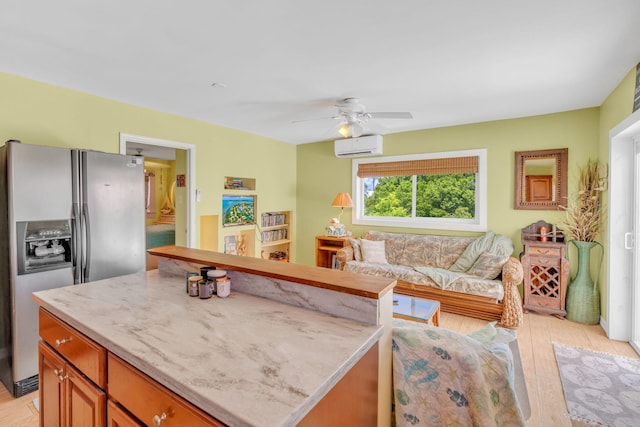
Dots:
pixel 441 166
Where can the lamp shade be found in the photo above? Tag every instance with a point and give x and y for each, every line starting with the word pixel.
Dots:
pixel 342 200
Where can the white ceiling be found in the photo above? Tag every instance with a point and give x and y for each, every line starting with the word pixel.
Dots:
pixel 284 63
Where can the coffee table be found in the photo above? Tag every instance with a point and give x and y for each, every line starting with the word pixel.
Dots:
pixel 416 309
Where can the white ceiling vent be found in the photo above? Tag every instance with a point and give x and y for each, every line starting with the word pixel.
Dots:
pixel 363 146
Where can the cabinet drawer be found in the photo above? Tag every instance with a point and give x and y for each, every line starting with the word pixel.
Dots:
pixel 148 400
pixel 86 355
pixel 539 250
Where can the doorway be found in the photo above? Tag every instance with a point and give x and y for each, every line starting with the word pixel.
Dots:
pixel 185 193
pixel 623 274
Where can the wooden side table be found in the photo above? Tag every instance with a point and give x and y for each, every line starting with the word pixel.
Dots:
pixel 326 248
pixel 416 309
pixel 546 270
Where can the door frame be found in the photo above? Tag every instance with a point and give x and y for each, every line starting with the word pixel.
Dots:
pixel 620 270
pixel 191 174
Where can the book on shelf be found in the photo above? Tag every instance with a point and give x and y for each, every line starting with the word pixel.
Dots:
pixel 273 219
pixel 334 262
pixel 273 235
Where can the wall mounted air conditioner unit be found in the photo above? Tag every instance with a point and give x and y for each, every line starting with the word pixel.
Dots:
pixel 362 146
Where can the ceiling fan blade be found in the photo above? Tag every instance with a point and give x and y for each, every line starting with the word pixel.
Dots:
pixel 391 115
pixel 312 120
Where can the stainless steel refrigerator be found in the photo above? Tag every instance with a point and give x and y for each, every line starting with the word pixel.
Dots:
pixel 67 217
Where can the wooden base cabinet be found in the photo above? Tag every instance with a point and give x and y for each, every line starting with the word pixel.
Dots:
pixel 118 417
pixel 67 398
pixel 546 270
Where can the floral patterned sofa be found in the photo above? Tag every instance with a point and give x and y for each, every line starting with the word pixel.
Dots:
pixel 472 276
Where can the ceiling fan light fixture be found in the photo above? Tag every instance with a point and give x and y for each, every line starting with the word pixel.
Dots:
pixel 356 130
pixel 352 130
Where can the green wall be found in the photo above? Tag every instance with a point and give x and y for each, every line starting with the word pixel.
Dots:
pixel 38 113
pixel 577 130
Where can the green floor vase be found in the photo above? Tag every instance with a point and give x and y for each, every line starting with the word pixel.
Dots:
pixel 583 297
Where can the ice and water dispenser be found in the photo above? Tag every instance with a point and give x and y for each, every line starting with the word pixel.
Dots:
pixel 43 245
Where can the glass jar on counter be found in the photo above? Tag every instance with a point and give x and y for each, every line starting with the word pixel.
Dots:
pixel 213 276
pixel 194 287
pixel 223 286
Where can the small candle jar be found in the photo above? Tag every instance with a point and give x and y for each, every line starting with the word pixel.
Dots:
pixel 190 274
pixel 194 289
pixel 223 287
pixel 213 276
pixel 204 289
pixel 543 234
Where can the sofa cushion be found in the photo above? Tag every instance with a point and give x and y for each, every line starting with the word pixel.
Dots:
pixel 355 244
pixel 488 265
pixel 492 243
pixel 421 249
pixel 394 244
pixel 373 251
pixel 472 252
pixel 464 283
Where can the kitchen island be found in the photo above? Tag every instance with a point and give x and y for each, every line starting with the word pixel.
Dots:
pixel 249 359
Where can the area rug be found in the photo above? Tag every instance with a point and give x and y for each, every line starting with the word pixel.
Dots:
pixel 600 389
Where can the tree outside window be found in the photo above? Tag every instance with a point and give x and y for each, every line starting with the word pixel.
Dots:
pixel 437 190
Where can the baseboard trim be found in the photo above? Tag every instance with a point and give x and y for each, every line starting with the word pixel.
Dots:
pixel 605 326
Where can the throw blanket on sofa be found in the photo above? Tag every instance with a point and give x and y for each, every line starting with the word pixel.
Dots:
pixel 443 278
pixel 445 378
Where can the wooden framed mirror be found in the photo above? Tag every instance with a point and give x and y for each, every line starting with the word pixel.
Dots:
pixel 541 179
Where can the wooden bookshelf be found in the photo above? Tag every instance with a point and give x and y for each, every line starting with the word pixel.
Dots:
pixel 275 235
pixel 326 248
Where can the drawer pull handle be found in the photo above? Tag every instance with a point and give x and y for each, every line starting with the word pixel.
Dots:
pixel 62 378
pixel 62 341
pixel 158 419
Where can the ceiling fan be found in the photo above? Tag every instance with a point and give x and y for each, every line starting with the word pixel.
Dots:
pixel 353 115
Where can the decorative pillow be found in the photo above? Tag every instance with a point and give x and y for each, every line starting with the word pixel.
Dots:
pixel 472 252
pixel 357 252
pixel 501 245
pixel 488 265
pixel 373 251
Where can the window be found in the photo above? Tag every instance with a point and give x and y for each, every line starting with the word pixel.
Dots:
pixel 445 191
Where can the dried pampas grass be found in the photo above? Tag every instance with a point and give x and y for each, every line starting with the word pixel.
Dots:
pixel 585 213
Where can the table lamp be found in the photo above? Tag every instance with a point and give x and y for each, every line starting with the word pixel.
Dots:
pixel 342 200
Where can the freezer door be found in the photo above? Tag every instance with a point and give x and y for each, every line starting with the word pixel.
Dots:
pixel 25 321
pixel 113 214
pixel 39 182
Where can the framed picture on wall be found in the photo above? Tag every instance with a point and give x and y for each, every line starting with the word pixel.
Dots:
pixel 238 210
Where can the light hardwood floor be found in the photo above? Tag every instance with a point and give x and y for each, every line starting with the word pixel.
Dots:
pixel 535 339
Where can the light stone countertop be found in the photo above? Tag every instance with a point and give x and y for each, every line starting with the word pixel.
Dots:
pixel 246 360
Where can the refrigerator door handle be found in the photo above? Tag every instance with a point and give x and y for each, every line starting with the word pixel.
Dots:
pixel 77 245
pixel 86 242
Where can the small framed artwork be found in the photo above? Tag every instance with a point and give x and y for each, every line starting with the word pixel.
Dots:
pixel 181 180
pixel 238 210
